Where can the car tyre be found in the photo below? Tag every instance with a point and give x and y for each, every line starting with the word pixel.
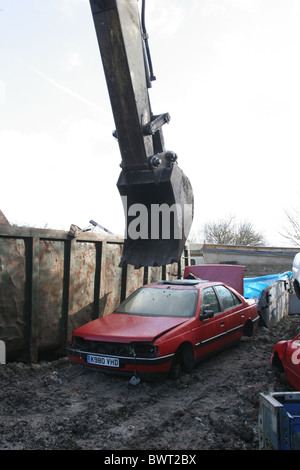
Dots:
pixel 279 369
pixel 175 369
pixel 248 329
pixel 277 364
pixel 183 361
pixel 188 357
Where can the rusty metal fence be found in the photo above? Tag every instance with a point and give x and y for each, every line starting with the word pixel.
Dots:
pixel 51 284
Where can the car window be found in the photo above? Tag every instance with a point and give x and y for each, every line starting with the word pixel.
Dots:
pixel 228 299
pixel 161 302
pixel 210 301
pixel 236 300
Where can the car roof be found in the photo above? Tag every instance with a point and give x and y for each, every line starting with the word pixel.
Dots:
pixel 183 282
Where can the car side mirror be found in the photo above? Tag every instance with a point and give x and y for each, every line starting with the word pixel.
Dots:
pixel 206 314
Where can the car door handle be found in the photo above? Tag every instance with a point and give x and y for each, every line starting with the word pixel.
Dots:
pixel 222 323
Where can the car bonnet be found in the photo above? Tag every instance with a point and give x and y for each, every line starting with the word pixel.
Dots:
pixel 126 328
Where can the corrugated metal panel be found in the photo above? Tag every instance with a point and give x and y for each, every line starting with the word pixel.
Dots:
pixel 50 291
pixel 135 279
pixel 154 274
pixel 12 292
pixel 111 278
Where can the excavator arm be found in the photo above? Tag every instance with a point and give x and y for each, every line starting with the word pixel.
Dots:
pixel 156 195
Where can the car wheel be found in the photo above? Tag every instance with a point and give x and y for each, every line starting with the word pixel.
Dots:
pixel 276 362
pixel 183 360
pixel 188 357
pixel 175 369
pixel 279 369
pixel 248 329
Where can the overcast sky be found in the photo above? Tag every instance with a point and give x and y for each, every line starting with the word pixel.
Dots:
pixel 228 72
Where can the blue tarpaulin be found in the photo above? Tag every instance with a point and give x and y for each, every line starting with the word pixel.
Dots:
pixel 253 286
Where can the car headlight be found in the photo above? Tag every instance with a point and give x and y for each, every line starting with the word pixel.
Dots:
pixel 143 350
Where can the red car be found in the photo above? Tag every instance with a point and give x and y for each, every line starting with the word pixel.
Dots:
pixel 286 357
pixel 163 328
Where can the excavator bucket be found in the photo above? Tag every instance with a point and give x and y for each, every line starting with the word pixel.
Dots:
pixel 158 208
pixel 157 196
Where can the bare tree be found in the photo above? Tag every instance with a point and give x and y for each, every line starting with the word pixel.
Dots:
pixel 292 232
pixel 246 235
pixel 227 232
pixel 220 232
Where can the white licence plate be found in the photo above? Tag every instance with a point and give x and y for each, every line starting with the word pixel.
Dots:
pixel 103 361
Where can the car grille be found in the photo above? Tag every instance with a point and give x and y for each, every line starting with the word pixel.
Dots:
pixel 114 349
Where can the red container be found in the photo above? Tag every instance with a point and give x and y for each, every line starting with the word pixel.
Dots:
pixel 232 275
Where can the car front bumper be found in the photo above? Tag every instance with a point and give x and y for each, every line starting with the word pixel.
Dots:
pixel 154 367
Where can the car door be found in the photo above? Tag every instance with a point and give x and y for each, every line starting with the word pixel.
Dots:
pixel 293 362
pixel 234 313
pixel 210 330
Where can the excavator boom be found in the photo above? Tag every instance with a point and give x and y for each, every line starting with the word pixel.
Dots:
pixel 156 195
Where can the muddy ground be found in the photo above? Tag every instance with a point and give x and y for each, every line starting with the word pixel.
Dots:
pixel 60 405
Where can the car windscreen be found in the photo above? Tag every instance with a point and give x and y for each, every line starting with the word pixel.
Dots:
pixel 161 302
